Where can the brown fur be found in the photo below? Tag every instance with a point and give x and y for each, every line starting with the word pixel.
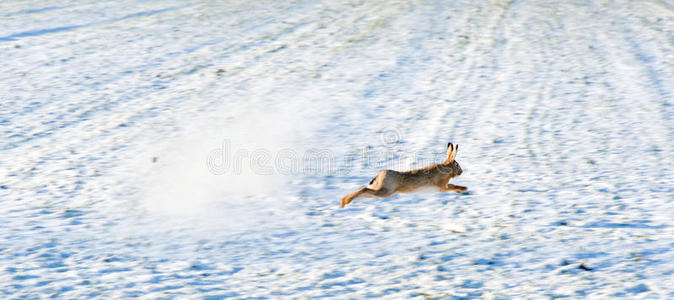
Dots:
pixel 389 182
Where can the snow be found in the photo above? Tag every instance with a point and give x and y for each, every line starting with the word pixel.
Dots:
pixel 116 117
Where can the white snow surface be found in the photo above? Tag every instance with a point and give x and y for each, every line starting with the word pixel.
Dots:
pixel 111 111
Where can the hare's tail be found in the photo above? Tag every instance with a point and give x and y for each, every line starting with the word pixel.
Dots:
pixel 377 181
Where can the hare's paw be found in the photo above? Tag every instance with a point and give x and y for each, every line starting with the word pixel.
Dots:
pixel 346 200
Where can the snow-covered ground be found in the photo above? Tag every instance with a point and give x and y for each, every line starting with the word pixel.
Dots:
pixel 200 149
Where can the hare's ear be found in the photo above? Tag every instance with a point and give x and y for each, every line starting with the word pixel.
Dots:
pixel 451 152
pixel 453 155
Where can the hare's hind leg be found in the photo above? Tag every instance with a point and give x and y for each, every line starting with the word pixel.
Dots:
pixel 362 192
pixel 373 189
pixel 365 192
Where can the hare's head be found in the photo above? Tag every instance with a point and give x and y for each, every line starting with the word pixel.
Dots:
pixel 450 162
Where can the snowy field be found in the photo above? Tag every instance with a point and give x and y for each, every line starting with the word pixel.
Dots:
pixel 187 149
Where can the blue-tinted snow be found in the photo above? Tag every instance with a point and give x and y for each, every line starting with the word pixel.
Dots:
pixel 111 112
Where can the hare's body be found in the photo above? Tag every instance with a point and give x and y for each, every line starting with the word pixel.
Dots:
pixel 389 182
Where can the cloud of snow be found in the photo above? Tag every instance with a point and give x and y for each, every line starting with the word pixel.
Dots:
pixel 229 169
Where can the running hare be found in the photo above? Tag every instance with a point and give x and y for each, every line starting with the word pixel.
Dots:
pixel 389 182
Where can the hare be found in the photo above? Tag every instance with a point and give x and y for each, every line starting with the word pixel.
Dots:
pixel 389 182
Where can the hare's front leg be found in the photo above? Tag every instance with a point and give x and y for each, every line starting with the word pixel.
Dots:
pixel 456 188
